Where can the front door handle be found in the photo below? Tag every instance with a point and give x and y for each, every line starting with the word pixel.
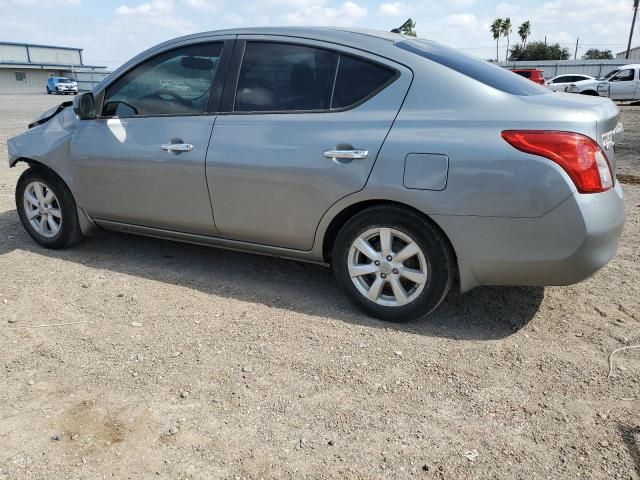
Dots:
pixel 354 154
pixel 176 147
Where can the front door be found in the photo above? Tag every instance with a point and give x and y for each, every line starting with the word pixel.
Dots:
pixel 303 128
pixel 142 160
pixel 623 85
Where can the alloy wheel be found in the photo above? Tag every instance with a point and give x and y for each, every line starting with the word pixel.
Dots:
pixel 42 209
pixel 387 267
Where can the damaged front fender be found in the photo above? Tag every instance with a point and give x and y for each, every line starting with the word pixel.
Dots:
pixel 47 142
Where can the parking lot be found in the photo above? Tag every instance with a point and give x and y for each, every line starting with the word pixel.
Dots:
pixel 168 360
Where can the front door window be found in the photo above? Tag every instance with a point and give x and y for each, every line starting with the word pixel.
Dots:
pixel 177 82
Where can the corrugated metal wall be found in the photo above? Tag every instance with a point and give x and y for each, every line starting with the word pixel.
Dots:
pixel 13 53
pixel 88 80
pixel 35 80
pixel 19 53
pixel 634 54
pixel 551 68
pixel 54 55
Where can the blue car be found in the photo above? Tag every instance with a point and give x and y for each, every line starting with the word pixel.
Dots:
pixel 61 86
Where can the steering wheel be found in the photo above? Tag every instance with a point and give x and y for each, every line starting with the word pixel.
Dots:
pixel 171 93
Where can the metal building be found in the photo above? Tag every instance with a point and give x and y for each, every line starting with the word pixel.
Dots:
pixel 24 67
pixel 634 54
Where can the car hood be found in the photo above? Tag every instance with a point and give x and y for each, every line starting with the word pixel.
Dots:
pixel 589 83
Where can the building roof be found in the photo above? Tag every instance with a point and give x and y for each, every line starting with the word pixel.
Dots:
pixel 55 66
pixel 37 45
pixel 633 49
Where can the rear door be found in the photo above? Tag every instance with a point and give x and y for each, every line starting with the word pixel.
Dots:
pixel 303 125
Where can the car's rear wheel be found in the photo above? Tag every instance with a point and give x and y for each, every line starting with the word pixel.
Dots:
pixel 48 91
pixel 393 263
pixel 47 209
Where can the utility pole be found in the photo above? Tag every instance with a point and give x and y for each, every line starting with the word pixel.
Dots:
pixel 575 57
pixel 633 26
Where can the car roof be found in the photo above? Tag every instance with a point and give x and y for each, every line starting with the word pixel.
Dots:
pixel 358 37
pixel 574 75
pixel 320 32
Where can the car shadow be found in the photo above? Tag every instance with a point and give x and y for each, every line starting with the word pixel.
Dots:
pixel 631 439
pixel 486 313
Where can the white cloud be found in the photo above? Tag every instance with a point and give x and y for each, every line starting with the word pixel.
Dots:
pixel 344 15
pixel 154 7
pixel 39 3
pixel 461 20
pixel 202 4
pixel 392 9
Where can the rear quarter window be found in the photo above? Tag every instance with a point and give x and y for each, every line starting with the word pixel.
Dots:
pixel 472 67
pixel 358 80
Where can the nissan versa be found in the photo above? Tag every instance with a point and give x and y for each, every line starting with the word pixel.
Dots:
pixel 405 165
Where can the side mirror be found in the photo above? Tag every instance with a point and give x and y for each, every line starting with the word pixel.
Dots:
pixel 85 106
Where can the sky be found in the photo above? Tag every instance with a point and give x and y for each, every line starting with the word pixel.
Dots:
pixel 112 31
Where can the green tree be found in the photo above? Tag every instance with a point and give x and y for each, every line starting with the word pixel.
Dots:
pixel 539 51
pixel 496 30
pixel 409 28
pixel 595 54
pixel 506 31
pixel 524 31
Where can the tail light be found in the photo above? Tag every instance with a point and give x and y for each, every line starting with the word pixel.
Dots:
pixel 578 155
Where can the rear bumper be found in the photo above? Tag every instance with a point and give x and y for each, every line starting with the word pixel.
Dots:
pixel 565 246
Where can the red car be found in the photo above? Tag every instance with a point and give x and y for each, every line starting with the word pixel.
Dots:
pixel 532 74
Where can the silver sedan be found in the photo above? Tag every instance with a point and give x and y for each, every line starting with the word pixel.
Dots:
pixel 408 167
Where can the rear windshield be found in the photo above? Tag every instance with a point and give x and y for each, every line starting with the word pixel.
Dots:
pixel 480 70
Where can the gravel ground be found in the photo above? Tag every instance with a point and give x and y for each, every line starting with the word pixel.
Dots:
pixel 201 363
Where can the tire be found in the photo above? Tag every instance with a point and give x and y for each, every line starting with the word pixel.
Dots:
pixel 54 202
pixel 431 269
pixel 48 91
pixel 590 93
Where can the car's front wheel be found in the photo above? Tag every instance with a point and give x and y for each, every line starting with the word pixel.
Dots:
pixel 47 209
pixel 393 263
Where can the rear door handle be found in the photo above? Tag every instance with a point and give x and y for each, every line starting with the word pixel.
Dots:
pixel 176 147
pixel 354 154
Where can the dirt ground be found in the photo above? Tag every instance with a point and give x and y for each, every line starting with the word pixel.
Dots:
pixel 197 363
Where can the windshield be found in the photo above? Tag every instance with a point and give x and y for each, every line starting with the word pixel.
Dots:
pixel 480 70
pixel 65 80
pixel 611 73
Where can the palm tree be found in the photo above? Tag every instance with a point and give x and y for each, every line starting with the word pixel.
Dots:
pixel 496 30
pixel 505 29
pixel 524 31
pixel 409 28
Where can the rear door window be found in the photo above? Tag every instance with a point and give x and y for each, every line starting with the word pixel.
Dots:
pixel 277 77
pixel 281 77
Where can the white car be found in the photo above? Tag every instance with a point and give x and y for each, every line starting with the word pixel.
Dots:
pixel 560 83
pixel 622 84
